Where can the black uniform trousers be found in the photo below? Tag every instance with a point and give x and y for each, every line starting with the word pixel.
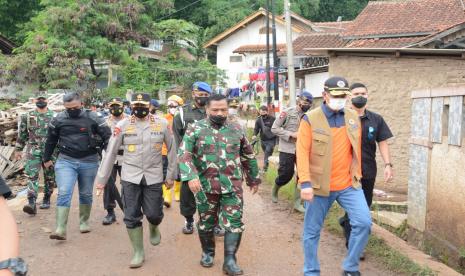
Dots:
pixel 368 186
pixel 111 194
pixel 142 199
pixel 286 168
pixel 187 201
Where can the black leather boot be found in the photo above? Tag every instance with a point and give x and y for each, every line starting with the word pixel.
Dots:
pixel 207 240
pixel 231 245
pixel 45 202
pixel 30 208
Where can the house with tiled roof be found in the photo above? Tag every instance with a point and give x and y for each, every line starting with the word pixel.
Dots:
pixel 411 56
pixel 241 49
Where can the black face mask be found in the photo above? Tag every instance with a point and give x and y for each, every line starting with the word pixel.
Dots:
pixel 305 108
pixel 359 101
pixel 41 104
pixel 140 112
pixel 116 111
pixel 73 113
pixel 217 119
pixel 201 101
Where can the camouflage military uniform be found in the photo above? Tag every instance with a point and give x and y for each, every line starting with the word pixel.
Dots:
pixel 32 133
pixel 219 158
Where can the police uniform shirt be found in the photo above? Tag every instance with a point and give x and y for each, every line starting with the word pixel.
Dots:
pixel 142 141
pixel 374 130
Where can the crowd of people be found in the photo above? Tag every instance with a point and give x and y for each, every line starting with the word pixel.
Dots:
pixel 200 150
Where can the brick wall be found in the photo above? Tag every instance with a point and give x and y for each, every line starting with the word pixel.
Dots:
pixel 390 81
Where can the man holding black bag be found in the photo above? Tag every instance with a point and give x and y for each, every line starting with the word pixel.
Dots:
pixel 78 133
pixel 263 126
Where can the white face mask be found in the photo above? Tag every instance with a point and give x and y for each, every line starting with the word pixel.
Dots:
pixel 337 104
pixel 172 110
pixel 232 111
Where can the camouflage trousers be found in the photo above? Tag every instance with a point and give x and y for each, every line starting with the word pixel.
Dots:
pixel 227 207
pixel 32 170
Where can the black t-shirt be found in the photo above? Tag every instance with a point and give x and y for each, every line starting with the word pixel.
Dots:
pixel 374 130
pixel 4 189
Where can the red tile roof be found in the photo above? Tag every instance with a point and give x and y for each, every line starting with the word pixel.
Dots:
pixel 333 27
pixel 256 48
pixel 399 42
pixel 315 40
pixel 406 17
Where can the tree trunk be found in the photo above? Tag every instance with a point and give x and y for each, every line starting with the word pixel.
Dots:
pixel 92 67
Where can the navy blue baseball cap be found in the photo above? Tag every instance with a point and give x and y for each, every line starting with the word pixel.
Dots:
pixel 154 103
pixel 306 96
pixel 201 86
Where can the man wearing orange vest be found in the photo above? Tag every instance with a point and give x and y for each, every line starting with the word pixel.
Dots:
pixel 174 102
pixel 329 169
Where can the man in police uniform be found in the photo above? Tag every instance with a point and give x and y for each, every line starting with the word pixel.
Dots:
pixel 142 136
pixel 285 127
pixel 32 134
pixel 214 157
pixel 233 113
pixel 111 195
pixel 189 114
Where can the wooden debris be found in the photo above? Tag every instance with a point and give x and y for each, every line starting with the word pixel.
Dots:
pixel 9 167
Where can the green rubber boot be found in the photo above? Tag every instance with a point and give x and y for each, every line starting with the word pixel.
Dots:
pixel 231 245
pixel 84 214
pixel 207 240
pixel 137 241
pixel 61 223
pixel 297 201
pixel 274 193
pixel 155 236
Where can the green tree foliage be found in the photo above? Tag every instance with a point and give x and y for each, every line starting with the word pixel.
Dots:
pixel 68 37
pixel 215 16
pixel 330 10
pixel 181 67
pixel 13 16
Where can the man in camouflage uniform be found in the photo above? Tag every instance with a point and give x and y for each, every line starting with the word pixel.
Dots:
pixel 187 115
pixel 214 157
pixel 32 134
pixel 285 127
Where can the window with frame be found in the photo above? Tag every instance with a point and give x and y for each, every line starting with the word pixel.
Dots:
pixel 262 30
pixel 235 59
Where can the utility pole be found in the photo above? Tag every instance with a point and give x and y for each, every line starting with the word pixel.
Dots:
pixel 267 68
pixel 290 54
pixel 275 57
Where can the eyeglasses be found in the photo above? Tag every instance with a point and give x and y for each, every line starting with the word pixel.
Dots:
pixel 172 106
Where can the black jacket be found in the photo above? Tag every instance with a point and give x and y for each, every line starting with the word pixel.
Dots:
pixel 73 137
pixel 263 126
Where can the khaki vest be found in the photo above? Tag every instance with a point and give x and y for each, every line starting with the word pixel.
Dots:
pixel 322 145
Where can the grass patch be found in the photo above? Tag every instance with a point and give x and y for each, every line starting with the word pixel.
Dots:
pixel 4 105
pixel 390 258
pixel 287 191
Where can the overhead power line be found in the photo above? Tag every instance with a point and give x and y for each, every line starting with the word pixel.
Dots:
pixel 187 6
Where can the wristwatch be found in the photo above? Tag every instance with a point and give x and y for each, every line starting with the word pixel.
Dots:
pixel 16 265
pixel 388 164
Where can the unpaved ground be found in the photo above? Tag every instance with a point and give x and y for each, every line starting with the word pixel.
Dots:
pixel 271 244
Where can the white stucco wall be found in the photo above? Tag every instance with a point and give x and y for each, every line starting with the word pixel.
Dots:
pixel 314 83
pixel 245 36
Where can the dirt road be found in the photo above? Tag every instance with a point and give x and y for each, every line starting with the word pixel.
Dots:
pixel 271 245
